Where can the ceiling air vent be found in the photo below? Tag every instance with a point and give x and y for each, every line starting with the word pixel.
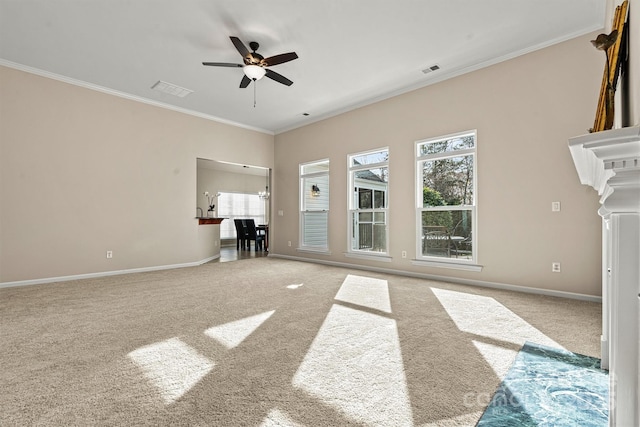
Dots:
pixel 171 89
pixel 430 69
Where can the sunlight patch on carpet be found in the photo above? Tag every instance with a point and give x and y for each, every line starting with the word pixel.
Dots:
pixel 355 365
pixel 276 418
pixel 233 333
pixel 486 317
pixel 365 291
pixel 172 366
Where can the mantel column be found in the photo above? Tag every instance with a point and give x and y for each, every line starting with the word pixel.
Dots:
pixel 609 161
pixel 621 213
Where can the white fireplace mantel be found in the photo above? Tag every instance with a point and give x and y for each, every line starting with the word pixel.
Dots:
pixel 609 161
pixel 601 155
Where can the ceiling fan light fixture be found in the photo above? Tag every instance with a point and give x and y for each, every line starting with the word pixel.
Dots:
pixel 254 72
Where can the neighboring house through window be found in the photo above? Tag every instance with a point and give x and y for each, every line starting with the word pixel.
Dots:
pixel 368 202
pixel 314 205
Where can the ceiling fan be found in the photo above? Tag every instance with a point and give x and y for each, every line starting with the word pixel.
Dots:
pixel 255 65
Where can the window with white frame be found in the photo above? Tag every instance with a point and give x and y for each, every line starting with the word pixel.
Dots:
pixel 368 201
pixel 446 207
pixel 239 205
pixel 314 205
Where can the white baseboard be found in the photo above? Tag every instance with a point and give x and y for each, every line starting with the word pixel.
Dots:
pixel 516 288
pixel 104 273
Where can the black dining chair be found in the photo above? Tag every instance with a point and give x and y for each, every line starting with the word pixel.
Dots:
pixel 251 233
pixel 241 237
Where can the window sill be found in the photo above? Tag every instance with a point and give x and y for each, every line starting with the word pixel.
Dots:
pixel 319 251
pixel 372 257
pixel 448 264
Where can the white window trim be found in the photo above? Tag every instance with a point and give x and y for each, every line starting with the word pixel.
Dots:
pixel 453 263
pixel 301 176
pixel 354 253
pixel 310 250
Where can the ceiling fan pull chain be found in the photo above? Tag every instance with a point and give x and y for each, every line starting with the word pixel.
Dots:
pixel 254 92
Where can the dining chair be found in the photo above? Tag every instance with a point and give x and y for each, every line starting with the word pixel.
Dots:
pixel 252 234
pixel 241 238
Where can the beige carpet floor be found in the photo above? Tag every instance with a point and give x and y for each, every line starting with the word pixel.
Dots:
pixel 268 342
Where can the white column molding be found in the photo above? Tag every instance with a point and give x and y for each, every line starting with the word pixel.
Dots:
pixel 609 162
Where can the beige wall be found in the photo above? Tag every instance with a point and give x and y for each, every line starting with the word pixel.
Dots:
pixel 524 110
pixel 82 172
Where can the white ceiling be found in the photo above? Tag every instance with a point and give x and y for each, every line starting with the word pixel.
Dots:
pixel 351 52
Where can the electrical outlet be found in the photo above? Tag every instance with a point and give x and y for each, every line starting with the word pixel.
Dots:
pixel 281 213
pixel 109 254
pixel 555 267
pixel 404 254
pixel 555 206
pixel 289 243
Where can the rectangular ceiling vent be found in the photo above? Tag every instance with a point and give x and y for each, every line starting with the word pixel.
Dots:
pixel 430 69
pixel 171 89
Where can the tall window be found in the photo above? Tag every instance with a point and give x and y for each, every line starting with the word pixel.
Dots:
pixel 446 197
pixel 368 187
pixel 314 205
pixel 239 205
